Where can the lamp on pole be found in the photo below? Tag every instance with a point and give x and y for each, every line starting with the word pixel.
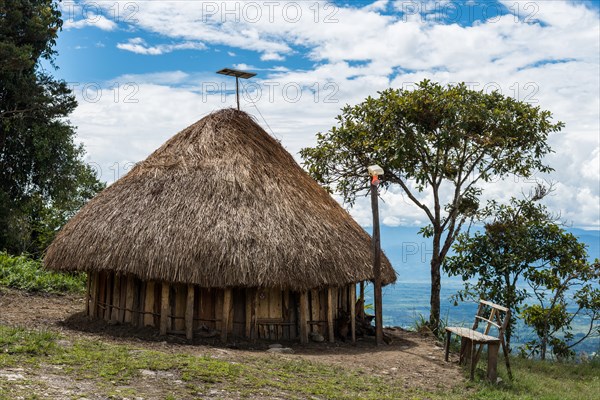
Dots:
pixel 238 74
pixel 375 171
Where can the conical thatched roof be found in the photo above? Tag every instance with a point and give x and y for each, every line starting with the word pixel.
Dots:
pixel 221 204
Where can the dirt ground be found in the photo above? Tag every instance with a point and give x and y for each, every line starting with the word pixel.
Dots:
pixel 415 360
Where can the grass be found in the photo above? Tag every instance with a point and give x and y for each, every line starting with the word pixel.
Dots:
pixel 117 370
pixel 113 366
pixel 546 380
pixel 25 273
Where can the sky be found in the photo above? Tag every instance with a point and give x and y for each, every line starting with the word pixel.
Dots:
pixel 144 70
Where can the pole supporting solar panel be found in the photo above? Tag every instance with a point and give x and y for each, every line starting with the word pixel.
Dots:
pixel 238 74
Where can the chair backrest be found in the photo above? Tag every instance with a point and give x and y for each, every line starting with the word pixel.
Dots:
pixel 498 317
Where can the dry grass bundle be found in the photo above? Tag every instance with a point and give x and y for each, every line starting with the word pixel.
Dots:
pixel 220 204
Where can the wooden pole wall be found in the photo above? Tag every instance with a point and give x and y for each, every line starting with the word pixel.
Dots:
pixel 179 308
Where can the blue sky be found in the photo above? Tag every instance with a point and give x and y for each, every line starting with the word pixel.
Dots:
pixel 143 70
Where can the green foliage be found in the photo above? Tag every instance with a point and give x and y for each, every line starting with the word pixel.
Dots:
pixel 421 325
pixel 528 263
pixel 24 273
pixel 433 139
pixel 43 178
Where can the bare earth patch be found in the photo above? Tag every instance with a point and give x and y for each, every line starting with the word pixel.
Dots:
pixel 414 360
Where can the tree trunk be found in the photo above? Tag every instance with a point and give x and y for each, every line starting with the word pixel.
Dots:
pixel 543 346
pixel 436 281
pixel 436 285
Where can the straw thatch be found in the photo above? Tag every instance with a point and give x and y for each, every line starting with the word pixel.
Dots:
pixel 220 204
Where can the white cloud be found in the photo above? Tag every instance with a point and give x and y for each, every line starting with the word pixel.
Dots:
pixel 157 78
pixel 98 21
pixel 139 46
pixel 271 57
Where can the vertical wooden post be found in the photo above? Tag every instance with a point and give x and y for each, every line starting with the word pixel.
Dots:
pixel 314 310
pixel 164 308
pixel 180 303
pixel 218 306
pixel 285 329
pixel 189 313
pixel 138 302
pixel 249 299
pixel 330 308
pixel 303 318
pixel 353 311
pixel 377 264
pixel 116 298
pixel 109 292
pixel 94 293
pixel 87 295
pixel 101 299
pixel 226 311
pixel 254 332
pixel 122 297
pixel 129 298
pixel 149 304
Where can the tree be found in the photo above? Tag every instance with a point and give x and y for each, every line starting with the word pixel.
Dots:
pixel 442 140
pixel 524 260
pixel 41 167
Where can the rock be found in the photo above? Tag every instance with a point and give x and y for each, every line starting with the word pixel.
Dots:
pixel 64 343
pixel 316 337
pixel 281 350
pixel 147 372
pixel 275 346
pixel 12 377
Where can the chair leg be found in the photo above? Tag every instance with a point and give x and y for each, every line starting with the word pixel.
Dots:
pixel 506 359
pixel 465 354
pixel 479 349
pixel 447 345
pixel 473 346
pixel 492 367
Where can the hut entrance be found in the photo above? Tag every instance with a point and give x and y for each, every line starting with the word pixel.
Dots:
pixel 252 313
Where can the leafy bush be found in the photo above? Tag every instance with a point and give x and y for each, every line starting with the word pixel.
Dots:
pixel 25 273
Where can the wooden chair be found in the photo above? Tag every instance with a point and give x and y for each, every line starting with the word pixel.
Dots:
pixel 473 341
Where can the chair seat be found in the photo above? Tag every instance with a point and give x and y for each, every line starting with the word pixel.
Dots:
pixel 473 335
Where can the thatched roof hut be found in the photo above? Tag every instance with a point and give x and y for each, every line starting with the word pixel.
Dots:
pixel 219 206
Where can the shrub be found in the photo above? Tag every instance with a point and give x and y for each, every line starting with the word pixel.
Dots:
pixel 25 273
